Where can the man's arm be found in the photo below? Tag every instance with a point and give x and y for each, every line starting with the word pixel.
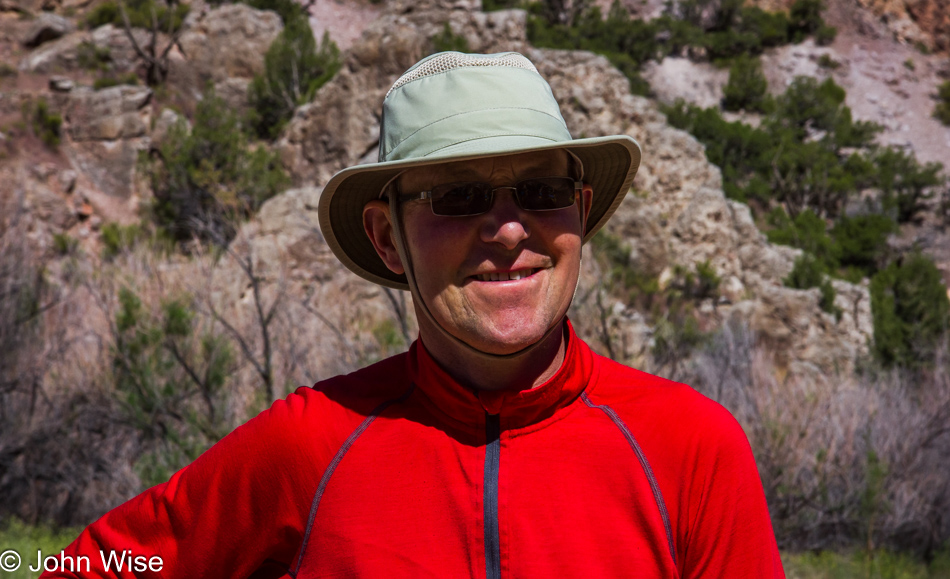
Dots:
pixel 730 531
pixel 241 504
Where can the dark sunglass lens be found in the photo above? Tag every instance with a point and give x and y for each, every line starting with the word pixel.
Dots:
pixel 546 194
pixel 457 199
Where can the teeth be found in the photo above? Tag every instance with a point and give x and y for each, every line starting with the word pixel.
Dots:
pixel 505 276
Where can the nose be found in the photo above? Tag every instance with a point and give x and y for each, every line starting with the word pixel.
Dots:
pixel 504 223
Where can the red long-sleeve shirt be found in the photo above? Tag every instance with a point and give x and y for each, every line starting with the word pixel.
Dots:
pixel 397 470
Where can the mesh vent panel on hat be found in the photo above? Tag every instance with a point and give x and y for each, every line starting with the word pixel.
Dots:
pixel 449 60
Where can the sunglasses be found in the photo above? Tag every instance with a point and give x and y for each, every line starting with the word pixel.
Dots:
pixel 475 198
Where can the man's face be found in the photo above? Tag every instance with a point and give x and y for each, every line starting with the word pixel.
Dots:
pixel 458 260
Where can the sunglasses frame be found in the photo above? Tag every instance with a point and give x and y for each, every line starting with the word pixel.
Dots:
pixel 427 195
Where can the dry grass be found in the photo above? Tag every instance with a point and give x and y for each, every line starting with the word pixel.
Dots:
pixel 844 460
pixel 92 411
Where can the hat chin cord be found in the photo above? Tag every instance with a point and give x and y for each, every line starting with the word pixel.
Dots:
pixel 402 249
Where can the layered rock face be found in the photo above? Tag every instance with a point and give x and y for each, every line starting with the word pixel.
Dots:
pixel 677 215
pixel 916 21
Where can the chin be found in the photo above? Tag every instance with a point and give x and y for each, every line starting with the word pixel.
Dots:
pixel 507 339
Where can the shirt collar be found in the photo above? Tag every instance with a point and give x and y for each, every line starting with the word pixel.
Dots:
pixel 517 408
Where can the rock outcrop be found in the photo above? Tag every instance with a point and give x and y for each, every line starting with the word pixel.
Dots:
pixel 107 44
pixel 926 22
pixel 45 28
pixel 677 216
pixel 224 47
pixel 341 126
pixel 105 115
pixel 107 129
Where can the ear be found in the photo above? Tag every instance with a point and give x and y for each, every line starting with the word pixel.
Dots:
pixel 587 199
pixel 377 222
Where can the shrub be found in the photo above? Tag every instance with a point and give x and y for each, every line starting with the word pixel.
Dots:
pixel 702 284
pixel 117 238
pixel 92 57
pixel 910 309
pixel 294 69
pixel 65 244
pixel 140 14
pixel 46 124
pixel 448 40
pixel 825 61
pixel 287 9
pixel 102 14
pixel 724 29
pixel 7 70
pixel 807 105
pixel 862 241
pixel 110 81
pixel 805 19
pixel 825 35
pixel 207 180
pixel 161 363
pixel 741 151
pixel 809 272
pixel 744 31
pixel 795 156
pixel 905 183
pixel 493 5
pixel 747 88
pixel 942 110
pixel 675 336
pixel 626 42
pixel 806 231
pixel 614 255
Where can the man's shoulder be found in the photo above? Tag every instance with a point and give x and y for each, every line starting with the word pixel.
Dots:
pixel 323 415
pixel 647 402
pixel 360 391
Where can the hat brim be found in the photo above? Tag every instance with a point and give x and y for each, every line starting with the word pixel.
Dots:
pixel 610 164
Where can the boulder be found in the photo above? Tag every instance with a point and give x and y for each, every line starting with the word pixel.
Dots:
pixel 698 83
pixel 229 41
pixel 117 112
pixel 114 41
pixel 45 28
pixel 233 91
pixel 59 55
pixel 61 84
pixel 81 49
pixel 109 166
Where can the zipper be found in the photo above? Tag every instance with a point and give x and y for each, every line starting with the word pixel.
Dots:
pixel 492 458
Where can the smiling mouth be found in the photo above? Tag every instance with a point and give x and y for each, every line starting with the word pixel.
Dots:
pixel 506 275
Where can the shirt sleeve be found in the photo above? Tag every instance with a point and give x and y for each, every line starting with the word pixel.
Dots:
pixel 730 532
pixel 256 482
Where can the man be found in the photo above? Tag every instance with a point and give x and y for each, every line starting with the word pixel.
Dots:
pixel 500 445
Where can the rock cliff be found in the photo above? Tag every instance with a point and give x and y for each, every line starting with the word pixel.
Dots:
pixel 677 215
pixel 675 218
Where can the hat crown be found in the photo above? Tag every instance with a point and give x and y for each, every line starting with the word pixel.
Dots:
pixel 450 102
pixel 446 61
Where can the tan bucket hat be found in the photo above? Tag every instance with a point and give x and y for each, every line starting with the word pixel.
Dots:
pixel 452 107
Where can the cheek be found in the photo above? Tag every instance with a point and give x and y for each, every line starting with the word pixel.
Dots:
pixel 436 244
